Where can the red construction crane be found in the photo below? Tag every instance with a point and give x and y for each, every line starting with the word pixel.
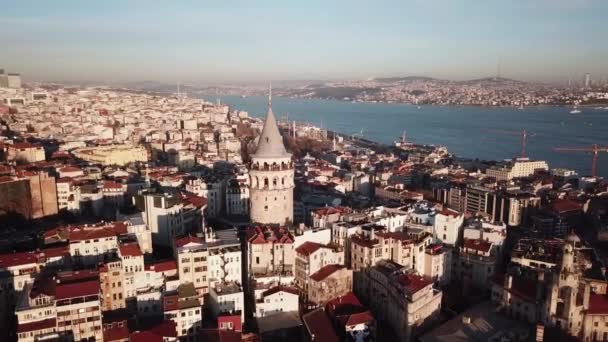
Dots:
pixel 523 134
pixel 594 149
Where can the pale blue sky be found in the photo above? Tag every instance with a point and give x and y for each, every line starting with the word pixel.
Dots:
pixel 209 41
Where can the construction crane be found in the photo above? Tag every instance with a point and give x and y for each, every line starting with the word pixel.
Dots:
pixel 524 138
pixel 594 149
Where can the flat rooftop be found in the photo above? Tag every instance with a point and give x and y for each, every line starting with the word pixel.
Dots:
pixel 485 324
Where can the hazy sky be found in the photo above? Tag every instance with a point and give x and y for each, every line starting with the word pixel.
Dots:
pixel 209 41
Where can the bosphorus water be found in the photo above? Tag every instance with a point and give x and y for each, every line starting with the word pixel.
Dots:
pixel 467 131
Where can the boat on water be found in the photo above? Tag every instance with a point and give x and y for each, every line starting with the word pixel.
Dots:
pixel 521 107
pixel 575 111
pixel 243 96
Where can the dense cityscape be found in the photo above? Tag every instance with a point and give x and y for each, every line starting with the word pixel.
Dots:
pixel 491 91
pixel 130 216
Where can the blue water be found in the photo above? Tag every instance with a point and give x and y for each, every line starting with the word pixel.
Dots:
pixel 467 131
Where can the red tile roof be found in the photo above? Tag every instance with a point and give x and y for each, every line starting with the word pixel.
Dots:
pixel 598 304
pixel 449 212
pixel 116 333
pixel 145 336
pixel 217 335
pixel 181 242
pixel 279 288
pixel 319 326
pixel 414 283
pixel 56 251
pixel 331 210
pixel 197 201
pixel 477 245
pixel 98 231
pixel 360 318
pixel 326 271
pixel 267 234
pixel 166 328
pixel 309 247
pixel 69 169
pixel 112 185
pixel 131 249
pixel 564 206
pixel 77 289
pixel 23 145
pixel 348 311
pixel 38 325
pixel 18 259
pixel 162 266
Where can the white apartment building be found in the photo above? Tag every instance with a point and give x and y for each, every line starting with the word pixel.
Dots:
pixel 163 214
pixel 133 264
pixel 227 298
pixel 311 257
pixel 191 255
pixel 447 226
pixel 276 300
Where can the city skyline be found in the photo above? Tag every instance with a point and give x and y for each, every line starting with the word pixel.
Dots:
pixel 539 40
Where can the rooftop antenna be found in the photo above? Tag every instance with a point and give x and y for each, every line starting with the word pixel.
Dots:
pixel 270 94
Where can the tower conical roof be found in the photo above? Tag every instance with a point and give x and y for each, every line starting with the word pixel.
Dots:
pixel 270 144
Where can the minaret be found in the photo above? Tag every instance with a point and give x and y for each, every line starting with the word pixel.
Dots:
pixel 272 174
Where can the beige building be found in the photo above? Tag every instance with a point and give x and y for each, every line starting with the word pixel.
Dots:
pixel 370 246
pixel 270 251
pixel 183 307
pixel 31 194
pixel 329 282
pixel 112 154
pixel 78 305
pixel 111 284
pixel 191 255
pixel 311 257
pixel 520 167
pixel 25 153
pixel 271 176
pixel 400 298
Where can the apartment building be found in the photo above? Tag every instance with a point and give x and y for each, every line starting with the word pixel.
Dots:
pixel 311 257
pixel 398 297
pixel 330 281
pixel 270 251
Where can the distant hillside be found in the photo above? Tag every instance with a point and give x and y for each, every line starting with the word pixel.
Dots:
pixel 407 78
pixel 491 80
